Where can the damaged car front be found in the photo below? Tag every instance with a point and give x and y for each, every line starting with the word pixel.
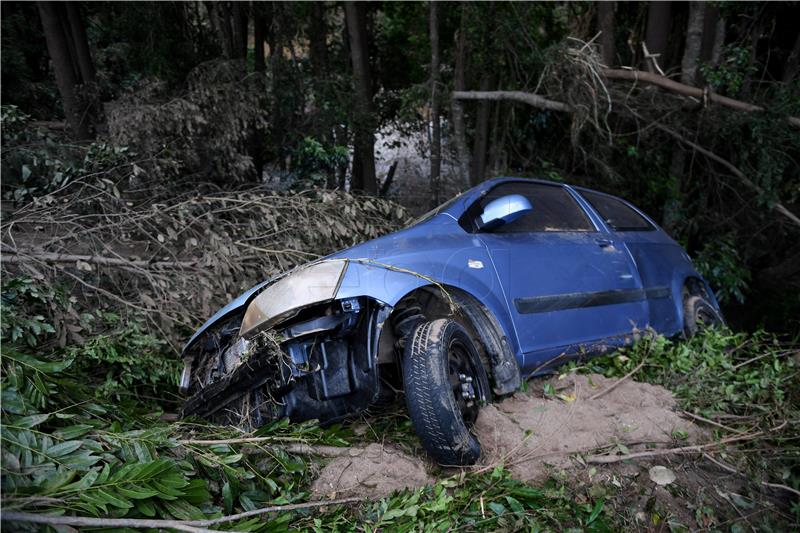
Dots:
pixel 287 349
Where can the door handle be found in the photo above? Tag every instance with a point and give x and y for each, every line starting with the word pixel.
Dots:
pixel 603 243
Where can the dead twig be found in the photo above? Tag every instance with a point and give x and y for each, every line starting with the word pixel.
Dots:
pixel 711 422
pixel 698 448
pixel 620 380
pixel 763 483
pixel 192 526
pixel 85 521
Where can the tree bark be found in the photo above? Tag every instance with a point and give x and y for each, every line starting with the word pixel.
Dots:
pixel 793 62
pixel 694 42
pixel 364 129
pixel 259 37
pixel 240 26
pixel 81 44
pixel 479 146
pixel 457 108
pixel 436 133
pixel 659 20
pixel 58 47
pixel 605 25
pixel 220 13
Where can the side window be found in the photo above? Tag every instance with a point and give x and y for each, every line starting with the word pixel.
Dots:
pixel 553 209
pixel 616 214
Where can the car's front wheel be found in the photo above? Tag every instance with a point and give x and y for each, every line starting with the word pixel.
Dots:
pixel 445 385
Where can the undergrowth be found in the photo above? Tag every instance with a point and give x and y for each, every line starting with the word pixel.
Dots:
pixel 84 433
pixel 745 384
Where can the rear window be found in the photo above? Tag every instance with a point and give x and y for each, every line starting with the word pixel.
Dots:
pixel 553 209
pixel 616 213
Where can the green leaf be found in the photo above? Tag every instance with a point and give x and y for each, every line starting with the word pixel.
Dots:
pixel 227 497
pixel 498 508
pixel 31 421
pixel 64 448
pixel 146 507
pixel 598 508
pixel 71 432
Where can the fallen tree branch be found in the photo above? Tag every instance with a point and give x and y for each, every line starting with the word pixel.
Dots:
pixel 538 101
pixel 192 526
pixel 763 483
pixel 698 448
pixel 275 509
pixel 620 380
pixel 515 96
pixel 685 90
pixel 85 521
pixel 711 422
pixel 15 256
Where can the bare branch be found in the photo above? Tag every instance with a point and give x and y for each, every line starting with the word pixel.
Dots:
pixel 515 96
pixel 685 90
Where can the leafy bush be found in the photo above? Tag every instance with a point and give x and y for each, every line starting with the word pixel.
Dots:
pixel 749 382
pixel 720 264
pixel 718 371
pixel 35 162
pixel 315 164
pixel 126 361
pixel 203 132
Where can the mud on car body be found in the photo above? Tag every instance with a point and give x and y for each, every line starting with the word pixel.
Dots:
pixel 499 283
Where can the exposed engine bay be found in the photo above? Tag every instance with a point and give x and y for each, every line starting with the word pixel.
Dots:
pixel 322 363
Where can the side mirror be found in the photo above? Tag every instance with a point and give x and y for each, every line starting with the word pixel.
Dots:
pixel 503 210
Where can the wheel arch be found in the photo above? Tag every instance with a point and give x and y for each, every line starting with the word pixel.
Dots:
pixel 447 301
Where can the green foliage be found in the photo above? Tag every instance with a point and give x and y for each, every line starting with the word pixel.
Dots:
pixel 717 371
pixel 735 67
pixel 489 501
pixel 35 162
pixel 719 262
pixel 316 164
pixel 126 360
pixel 31 325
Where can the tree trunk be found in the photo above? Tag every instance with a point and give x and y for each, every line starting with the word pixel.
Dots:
pixel 457 108
pixel 259 36
pixel 318 49
pixel 239 34
pixel 792 64
pixel 719 42
pixel 605 25
pixel 694 42
pixel 479 146
pixel 58 47
pixel 436 133
pixel 659 20
pixel 220 14
pixel 83 56
pixel 364 129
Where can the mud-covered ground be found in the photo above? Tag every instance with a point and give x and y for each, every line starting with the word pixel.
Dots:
pixel 532 433
pixel 537 435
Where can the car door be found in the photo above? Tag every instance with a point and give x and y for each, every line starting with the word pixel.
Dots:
pixel 566 282
pixel 656 256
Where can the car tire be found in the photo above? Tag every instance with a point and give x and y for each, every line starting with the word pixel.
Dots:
pixel 445 384
pixel 699 314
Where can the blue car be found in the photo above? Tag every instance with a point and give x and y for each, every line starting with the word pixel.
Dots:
pixel 505 281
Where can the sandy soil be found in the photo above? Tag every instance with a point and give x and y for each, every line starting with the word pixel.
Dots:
pixel 530 433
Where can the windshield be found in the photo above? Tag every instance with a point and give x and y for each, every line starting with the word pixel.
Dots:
pixel 435 211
